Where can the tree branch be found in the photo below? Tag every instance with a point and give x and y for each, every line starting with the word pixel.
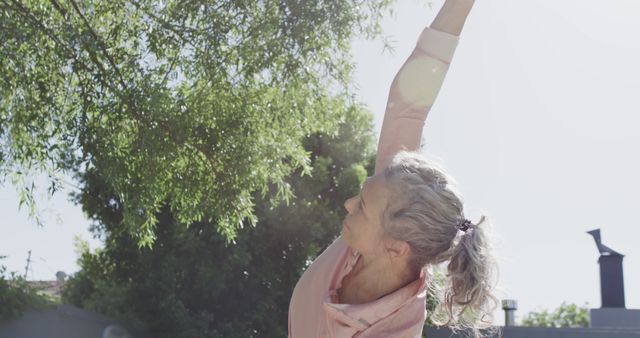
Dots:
pixel 101 44
pixel 26 13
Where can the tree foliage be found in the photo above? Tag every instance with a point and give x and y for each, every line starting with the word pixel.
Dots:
pixel 567 315
pixel 192 283
pixel 196 103
pixel 16 296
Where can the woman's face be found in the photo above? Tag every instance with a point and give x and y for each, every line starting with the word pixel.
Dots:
pixel 362 227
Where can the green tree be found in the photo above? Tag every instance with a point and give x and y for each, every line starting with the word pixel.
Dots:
pixel 196 104
pixel 192 283
pixel 567 315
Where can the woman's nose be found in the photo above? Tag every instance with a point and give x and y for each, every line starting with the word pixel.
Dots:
pixel 347 204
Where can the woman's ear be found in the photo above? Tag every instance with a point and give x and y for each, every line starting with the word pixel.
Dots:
pixel 397 248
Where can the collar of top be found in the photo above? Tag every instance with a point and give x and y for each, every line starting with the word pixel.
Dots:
pixel 361 316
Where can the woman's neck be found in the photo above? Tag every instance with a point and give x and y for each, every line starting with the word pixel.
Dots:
pixel 376 277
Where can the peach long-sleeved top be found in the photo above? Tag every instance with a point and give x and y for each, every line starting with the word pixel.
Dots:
pixel 314 310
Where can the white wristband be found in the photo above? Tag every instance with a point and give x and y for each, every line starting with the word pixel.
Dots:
pixel 438 44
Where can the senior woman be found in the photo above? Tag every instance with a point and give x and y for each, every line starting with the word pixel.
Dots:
pixel 372 280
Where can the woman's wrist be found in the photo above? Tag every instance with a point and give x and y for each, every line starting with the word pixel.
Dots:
pixel 452 16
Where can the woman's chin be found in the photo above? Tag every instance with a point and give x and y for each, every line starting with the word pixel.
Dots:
pixel 344 234
pixel 343 231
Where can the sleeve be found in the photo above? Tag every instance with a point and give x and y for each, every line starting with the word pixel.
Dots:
pixel 412 93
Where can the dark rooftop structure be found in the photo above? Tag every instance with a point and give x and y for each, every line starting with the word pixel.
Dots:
pixel 541 332
pixel 62 321
pixel 612 313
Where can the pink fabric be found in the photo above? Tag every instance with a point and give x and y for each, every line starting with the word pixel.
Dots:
pixel 314 311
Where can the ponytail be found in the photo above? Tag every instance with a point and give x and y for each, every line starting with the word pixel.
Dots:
pixel 468 301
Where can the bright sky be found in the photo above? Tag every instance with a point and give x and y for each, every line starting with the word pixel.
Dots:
pixel 536 122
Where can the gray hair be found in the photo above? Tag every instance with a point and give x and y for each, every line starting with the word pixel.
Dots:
pixel 425 212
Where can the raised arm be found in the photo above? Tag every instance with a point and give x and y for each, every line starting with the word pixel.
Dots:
pixel 417 83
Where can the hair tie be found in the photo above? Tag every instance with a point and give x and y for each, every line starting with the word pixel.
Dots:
pixel 440 183
pixel 464 225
